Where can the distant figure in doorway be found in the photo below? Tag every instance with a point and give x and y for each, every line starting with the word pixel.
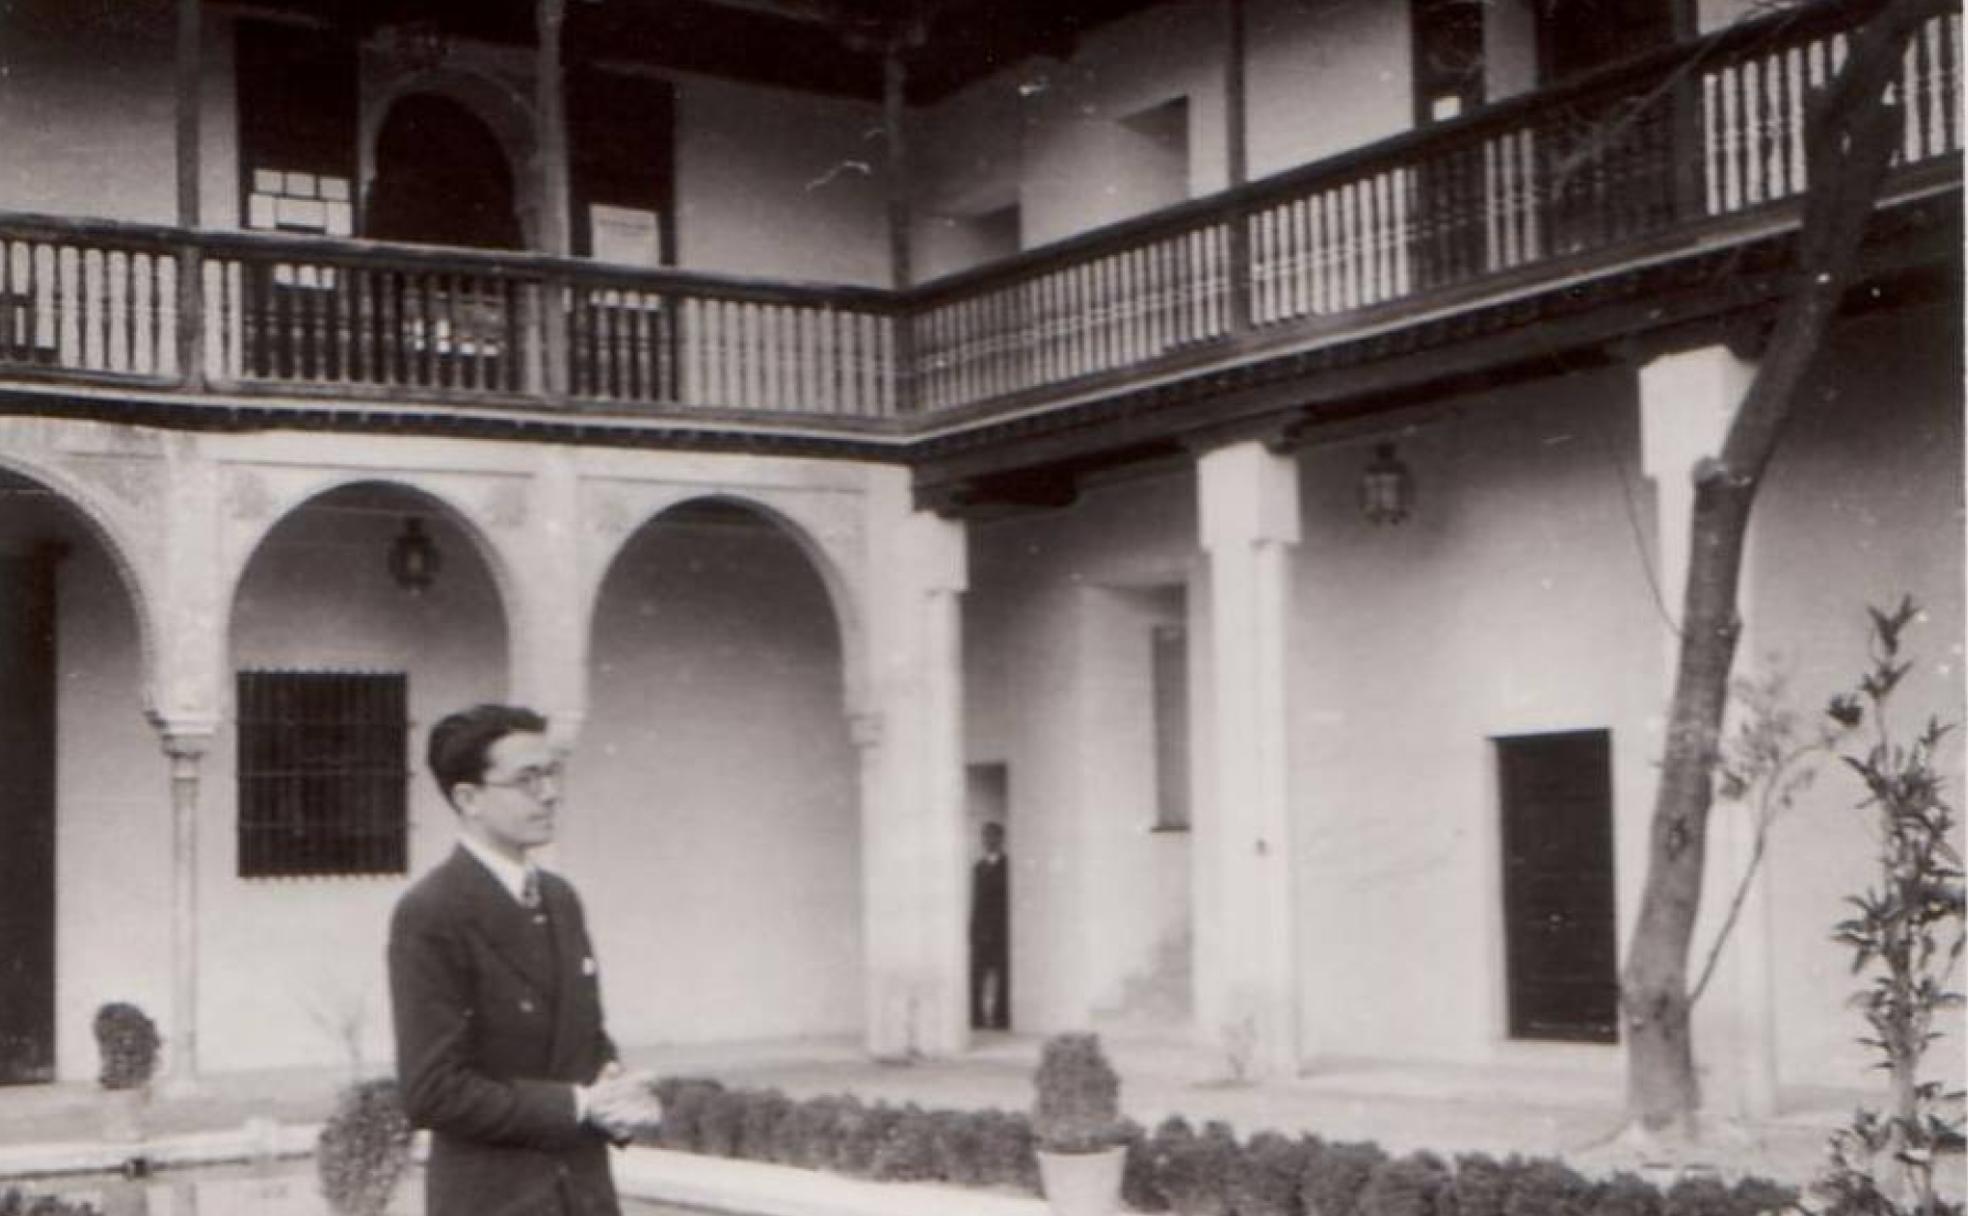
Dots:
pixel 990 934
pixel 500 1049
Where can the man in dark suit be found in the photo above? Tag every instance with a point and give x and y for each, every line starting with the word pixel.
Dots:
pixel 500 1048
pixel 990 935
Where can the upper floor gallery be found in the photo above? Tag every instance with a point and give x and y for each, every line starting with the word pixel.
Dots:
pixel 873 223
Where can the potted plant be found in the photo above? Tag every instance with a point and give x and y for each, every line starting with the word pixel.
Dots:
pixel 1076 1120
pixel 127 1041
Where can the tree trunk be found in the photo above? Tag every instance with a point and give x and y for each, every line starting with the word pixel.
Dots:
pixel 1854 130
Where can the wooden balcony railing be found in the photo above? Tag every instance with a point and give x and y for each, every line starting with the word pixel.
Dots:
pixel 1644 155
pixel 1661 146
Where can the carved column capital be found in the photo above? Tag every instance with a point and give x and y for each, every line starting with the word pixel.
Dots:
pixel 186 738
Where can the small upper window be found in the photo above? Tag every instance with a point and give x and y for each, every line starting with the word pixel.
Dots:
pixel 300 202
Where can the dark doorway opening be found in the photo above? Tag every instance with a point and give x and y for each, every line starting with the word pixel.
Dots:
pixel 441 179
pixel 1561 955
pixel 27 773
pixel 988 799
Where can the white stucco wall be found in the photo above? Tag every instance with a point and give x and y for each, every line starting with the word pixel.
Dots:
pixel 1050 135
pixel 1057 625
pixel 112 788
pixel 283 961
pixel 1863 505
pixel 83 87
pixel 1324 77
pixel 1083 166
pixel 808 170
pixel 714 804
pixel 113 817
pixel 1516 601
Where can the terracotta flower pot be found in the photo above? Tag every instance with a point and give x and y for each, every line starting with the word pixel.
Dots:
pixel 1083 1184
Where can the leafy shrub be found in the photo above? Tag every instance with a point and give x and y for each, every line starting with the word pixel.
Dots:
pixel 720 1114
pixel 1482 1183
pixel 1551 1188
pixel 861 1130
pixel 1264 1177
pixel 1754 1196
pixel 20 1203
pixel 907 1153
pixel 758 1123
pixel 363 1149
pixel 127 1040
pixel 1078 1103
pixel 1908 931
pixel 812 1133
pixel 953 1145
pixel 1698 1195
pixel 684 1100
pixel 1336 1175
pixel 1138 1192
pixel 1415 1185
pixel 1627 1195
pixel 1170 1138
pixel 1193 1171
pixel 1005 1151
pixel 1176 1168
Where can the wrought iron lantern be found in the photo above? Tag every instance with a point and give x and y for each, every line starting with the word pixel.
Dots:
pixel 1386 488
pixel 414 559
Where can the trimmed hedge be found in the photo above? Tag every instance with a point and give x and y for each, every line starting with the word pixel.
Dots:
pixel 19 1203
pixel 1176 1168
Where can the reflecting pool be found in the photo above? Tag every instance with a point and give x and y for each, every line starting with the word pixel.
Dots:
pixel 281 1188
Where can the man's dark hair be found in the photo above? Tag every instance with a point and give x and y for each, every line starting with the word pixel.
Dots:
pixel 459 745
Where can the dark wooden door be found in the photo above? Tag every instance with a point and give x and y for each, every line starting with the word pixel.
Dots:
pixel 27 817
pixel 1561 955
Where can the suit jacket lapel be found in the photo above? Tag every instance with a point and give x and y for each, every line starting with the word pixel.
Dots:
pixel 502 923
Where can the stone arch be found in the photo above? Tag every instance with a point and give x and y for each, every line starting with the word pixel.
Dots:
pixel 508 115
pixel 101 522
pixel 835 569
pixel 718 646
pixel 301 492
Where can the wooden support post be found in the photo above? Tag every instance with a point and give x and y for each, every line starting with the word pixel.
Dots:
pixel 554 236
pixel 191 270
pixel 895 79
pixel 1238 168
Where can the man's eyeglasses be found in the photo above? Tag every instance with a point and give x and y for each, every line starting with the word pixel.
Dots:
pixel 535 781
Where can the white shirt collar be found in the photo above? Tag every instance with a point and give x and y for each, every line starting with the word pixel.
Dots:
pixel 511 874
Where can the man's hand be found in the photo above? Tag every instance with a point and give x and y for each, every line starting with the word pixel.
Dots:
pixel 622 1103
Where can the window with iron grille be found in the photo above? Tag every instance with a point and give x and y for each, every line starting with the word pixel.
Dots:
pixel 323 782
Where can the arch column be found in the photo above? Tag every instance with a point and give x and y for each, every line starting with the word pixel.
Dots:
pixel 1250 522
pixel 1687 401
pixel 915 875
pixel 185 746
pixel 189 699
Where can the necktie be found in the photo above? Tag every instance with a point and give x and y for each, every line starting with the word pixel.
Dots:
pixel 529 890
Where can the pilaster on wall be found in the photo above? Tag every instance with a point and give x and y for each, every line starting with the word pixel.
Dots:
pixel 551 625
pixel 910 733
pixel 1250 522
pixel 1687 401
